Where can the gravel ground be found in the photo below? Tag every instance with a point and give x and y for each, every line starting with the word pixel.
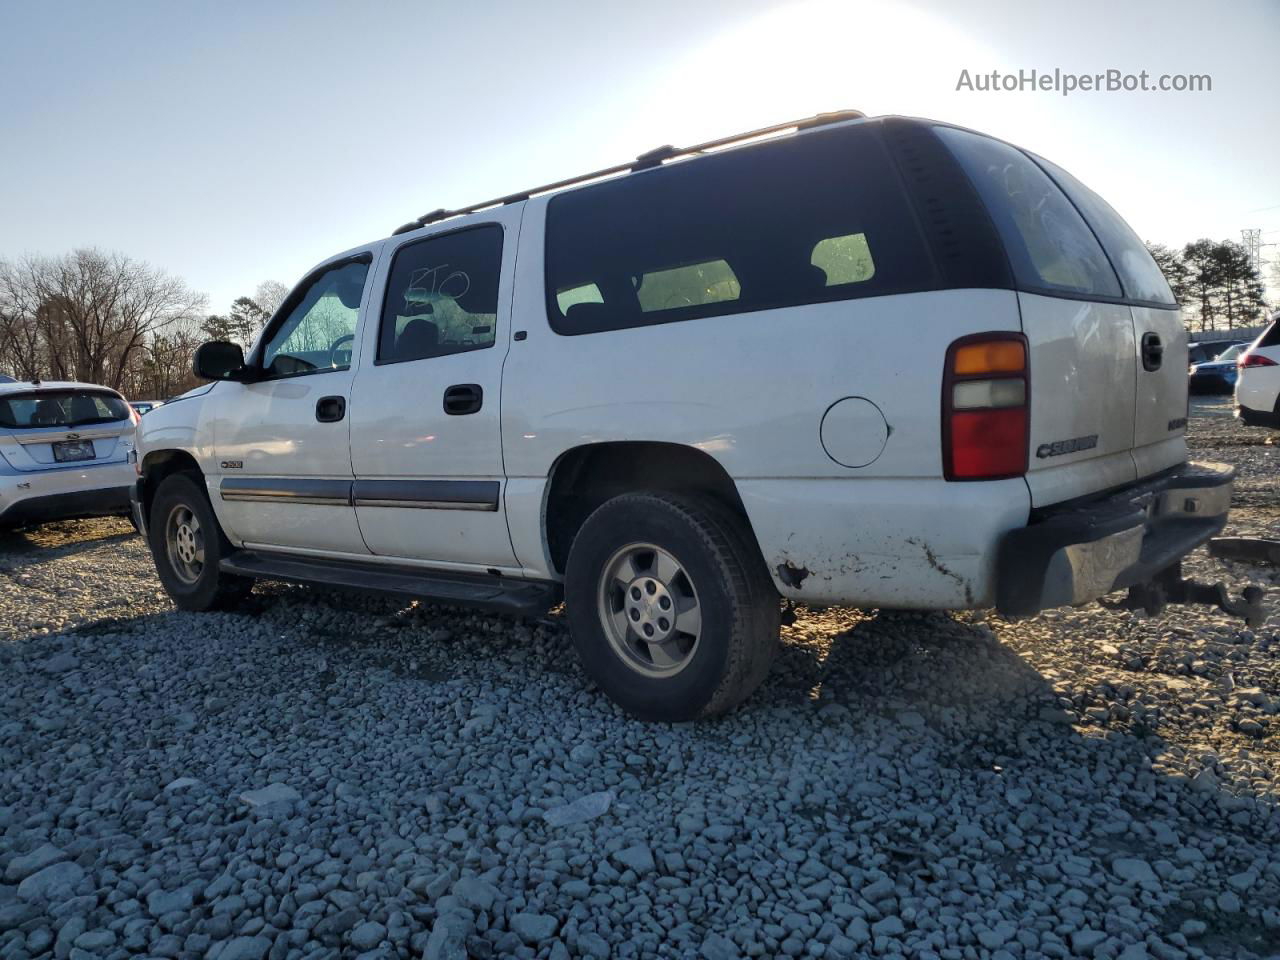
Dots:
pixel 330 775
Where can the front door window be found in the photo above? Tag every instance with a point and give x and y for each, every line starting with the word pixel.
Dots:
pixel 316 334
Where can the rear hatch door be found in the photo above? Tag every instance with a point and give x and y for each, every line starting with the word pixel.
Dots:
pixel 51 429
pixel 1082 354
pixel 1160 370
pixel 1083 387
pixel 1093 305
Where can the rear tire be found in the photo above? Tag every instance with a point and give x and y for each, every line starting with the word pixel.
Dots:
pixel 187 544
pixel 672 611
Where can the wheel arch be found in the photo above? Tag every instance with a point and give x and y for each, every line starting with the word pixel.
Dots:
pixel 159 464
pixel 584 477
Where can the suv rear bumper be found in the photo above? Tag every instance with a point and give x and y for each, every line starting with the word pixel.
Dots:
pixel 1074 554
pixel 1258 418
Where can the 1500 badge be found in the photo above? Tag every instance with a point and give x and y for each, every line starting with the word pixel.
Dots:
pixel 1060 447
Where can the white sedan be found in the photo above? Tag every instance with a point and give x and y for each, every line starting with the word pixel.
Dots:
pixel 64 452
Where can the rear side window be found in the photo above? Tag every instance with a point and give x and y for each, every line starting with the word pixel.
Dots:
pixel 442 296
pixel 813 218
pixel 1050 246
pixel 1139 274
pixel 62 408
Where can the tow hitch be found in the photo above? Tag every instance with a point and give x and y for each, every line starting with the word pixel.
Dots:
pixel 1169 586
pixel 1246 549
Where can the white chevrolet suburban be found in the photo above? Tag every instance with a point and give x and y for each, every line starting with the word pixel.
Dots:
pixel 882 362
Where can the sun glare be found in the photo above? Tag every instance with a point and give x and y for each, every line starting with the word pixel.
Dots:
pixel 811 57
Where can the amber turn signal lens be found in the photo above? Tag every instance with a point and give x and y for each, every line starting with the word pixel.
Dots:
pixel 994 356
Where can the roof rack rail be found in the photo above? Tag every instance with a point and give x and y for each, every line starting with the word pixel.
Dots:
pixel 646 161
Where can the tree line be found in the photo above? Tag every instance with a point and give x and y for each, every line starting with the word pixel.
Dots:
pixel 1215 282
pixel 101 317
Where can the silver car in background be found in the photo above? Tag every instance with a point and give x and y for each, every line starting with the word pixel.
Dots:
pixel 64 452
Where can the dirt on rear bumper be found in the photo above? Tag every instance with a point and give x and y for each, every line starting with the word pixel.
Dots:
pixel 1079 552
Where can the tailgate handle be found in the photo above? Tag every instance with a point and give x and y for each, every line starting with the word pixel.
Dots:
pixel 1152 351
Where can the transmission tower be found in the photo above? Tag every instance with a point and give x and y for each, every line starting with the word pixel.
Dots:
pixel 1252 239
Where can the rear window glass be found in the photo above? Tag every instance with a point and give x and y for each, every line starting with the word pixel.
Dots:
pixel 1049 244
pixel 812 218
pixel 63 408
pixel 1271 336
pixel 1139 274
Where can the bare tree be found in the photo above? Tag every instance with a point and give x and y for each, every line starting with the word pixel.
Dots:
pixel 269 295
pixel 87 315
pixel 166 363
pixel 22 349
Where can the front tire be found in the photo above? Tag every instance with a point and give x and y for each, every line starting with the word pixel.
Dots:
pixel 672 611
pixel 187 544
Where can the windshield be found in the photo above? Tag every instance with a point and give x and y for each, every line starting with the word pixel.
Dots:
pixel 61 408
pixel 1230 353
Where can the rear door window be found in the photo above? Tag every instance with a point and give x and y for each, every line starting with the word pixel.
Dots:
pixel 1139 274
pixel 1050 246
pixel 442 296
pixel 815 217
pixel 63 408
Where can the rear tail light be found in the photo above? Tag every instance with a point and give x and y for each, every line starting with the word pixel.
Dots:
pixel 1254 360
pixel 986 395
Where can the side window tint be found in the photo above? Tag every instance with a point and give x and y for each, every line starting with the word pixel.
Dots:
pixel 844 259
pixel 1139 274
pixel 442 296
pixel 1048 242
pixel 318 331
pixel 777 224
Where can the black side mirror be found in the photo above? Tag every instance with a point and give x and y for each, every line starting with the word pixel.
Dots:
pixel 219 360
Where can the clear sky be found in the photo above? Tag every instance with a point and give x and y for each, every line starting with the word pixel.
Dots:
pixel 236 142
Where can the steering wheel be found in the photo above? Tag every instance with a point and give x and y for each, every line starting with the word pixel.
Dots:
pixel 333 348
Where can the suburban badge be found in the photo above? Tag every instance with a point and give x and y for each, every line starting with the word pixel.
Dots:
pixel 1060 447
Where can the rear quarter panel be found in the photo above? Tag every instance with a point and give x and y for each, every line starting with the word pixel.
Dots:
pixel 751 390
